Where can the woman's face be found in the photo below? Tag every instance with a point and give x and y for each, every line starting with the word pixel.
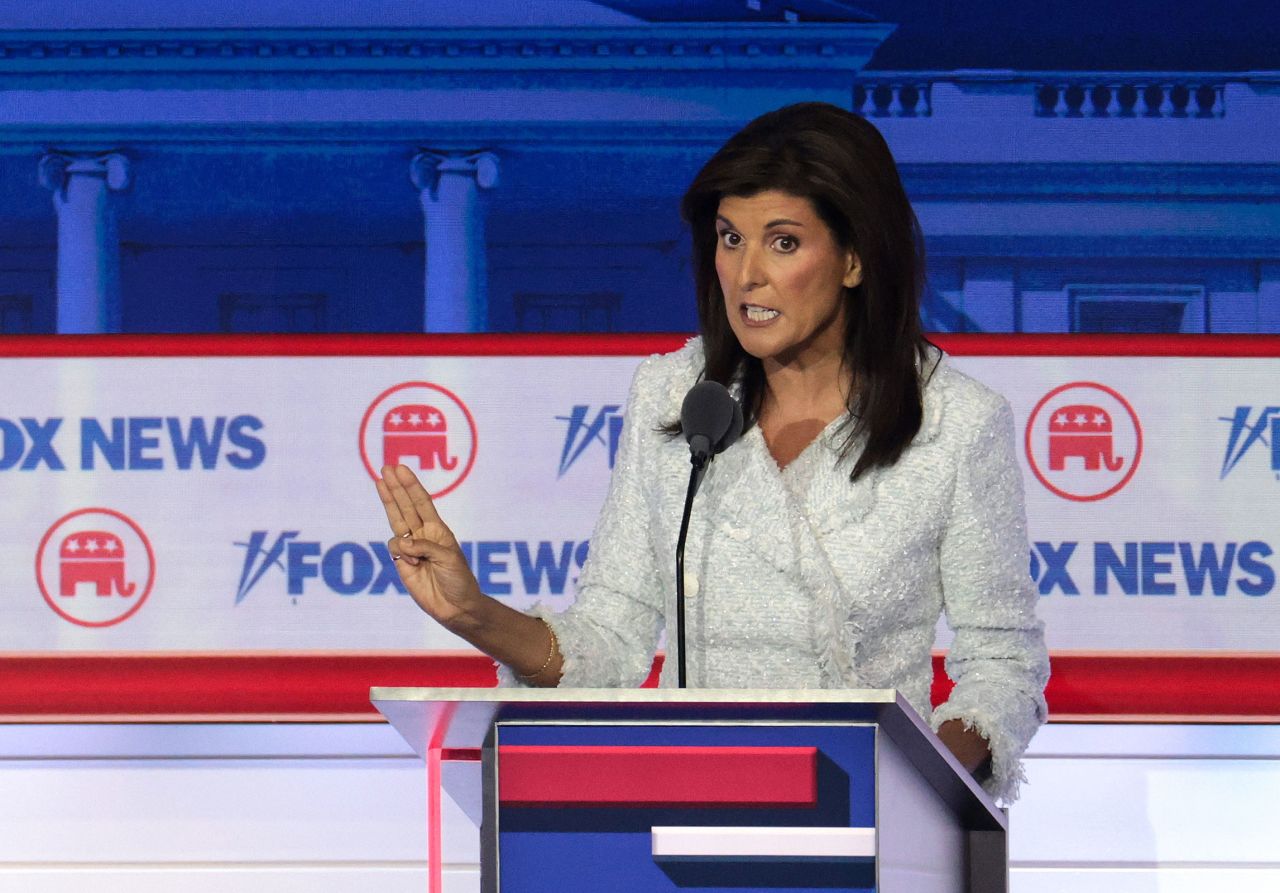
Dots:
pixel 783 277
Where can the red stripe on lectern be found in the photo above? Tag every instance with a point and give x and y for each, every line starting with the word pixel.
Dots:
pixel 653 776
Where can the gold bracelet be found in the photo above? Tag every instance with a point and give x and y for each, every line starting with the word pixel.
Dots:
pixel 551 654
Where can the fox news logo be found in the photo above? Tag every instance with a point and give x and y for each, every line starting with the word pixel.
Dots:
pixel 345 568
pixel 502 567
pixel 1154 567
pixel 585 429
pixel 1248 430
pixel 136 443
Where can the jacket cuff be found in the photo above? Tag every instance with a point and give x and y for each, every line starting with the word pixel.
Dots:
pixel 1005 734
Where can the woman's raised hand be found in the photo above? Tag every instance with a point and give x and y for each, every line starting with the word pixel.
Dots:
pixel 436 574
pixel 427 555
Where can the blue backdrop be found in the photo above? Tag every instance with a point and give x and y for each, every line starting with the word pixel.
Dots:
pixel 516 166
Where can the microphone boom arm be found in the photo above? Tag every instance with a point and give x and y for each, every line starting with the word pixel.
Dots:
pixel 699 463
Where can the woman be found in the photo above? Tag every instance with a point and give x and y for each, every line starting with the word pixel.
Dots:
pixel 874 486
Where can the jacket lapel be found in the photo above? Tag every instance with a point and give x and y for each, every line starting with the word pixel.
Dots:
pixel 745 500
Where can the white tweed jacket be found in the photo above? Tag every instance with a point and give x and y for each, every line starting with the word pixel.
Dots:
pixel 802 579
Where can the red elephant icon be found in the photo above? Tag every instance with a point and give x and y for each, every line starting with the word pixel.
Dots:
pixel 93 556
pixel 417 430
pixel 1083 431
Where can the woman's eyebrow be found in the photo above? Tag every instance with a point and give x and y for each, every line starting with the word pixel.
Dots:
pixel 781 221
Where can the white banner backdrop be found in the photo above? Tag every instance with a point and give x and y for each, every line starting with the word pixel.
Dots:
pixel 226 503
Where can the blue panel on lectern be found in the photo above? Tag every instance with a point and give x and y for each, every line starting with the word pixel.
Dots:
pixel 551 850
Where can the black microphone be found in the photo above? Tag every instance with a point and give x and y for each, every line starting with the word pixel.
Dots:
pixel 711 420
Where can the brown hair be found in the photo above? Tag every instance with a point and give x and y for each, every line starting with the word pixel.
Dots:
pixel 841 164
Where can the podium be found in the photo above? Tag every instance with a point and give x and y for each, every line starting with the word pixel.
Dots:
pixel 667 789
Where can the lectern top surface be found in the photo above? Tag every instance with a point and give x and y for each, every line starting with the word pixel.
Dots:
pixel 638 695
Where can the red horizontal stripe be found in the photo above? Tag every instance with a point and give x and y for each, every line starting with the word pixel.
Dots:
pixel 1109 345
pixel 222 685
pixel 1156 686
pixel 460 754
pixel 336 685
pixel 1244 686
pixel 657 776
pixel 639 344
pixel 409 345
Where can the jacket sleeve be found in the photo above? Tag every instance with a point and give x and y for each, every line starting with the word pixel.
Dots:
pixel 609 636
pixel 998 659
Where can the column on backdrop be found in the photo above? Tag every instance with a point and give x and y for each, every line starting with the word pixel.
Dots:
pixel 449 183
pixel 88 276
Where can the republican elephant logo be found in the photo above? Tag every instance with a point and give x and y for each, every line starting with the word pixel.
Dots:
pixel 1083 441
pixel 424 426
pixel 95 567
pixel 1082 431
pixel 419 431
pixel 97 557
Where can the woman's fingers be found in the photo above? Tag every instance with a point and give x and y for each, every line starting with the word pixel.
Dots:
pixel 419 498
pixel 396 546
pixel 404 504
pixel 411 551
pixel 399 526
pixel 445 584
pixel 436 576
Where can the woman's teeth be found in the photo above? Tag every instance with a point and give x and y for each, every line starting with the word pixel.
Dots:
pixel 760 314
